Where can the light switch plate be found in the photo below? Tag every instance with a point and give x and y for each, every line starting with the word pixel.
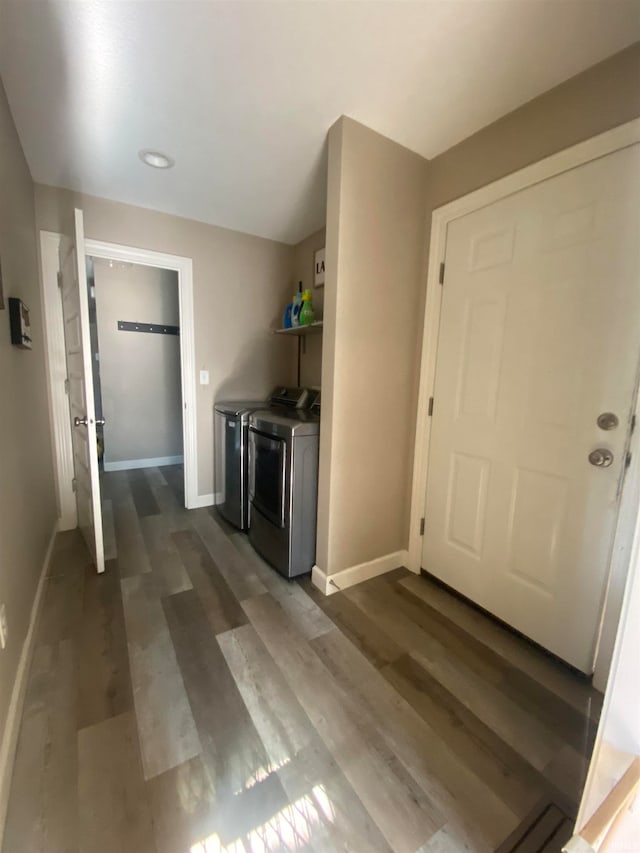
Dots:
pixel 204 377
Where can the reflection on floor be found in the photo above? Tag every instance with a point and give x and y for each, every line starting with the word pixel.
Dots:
pixel 190 700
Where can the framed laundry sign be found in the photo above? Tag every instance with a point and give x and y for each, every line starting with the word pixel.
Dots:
pixel 318 268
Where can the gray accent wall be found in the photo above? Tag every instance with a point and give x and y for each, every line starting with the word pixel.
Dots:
pixel 139 371
pixel 27 494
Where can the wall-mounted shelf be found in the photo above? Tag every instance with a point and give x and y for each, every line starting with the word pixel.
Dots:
pixel 301 331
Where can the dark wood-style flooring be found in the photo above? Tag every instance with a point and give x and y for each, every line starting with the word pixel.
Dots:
pixel 191 700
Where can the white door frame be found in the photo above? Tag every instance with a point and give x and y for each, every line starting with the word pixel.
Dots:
pixel 584 152
pixel 57 371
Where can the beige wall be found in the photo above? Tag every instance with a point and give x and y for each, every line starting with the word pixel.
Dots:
pixel 27 496
pixel 303 260
pixel 373 323
pixel 241 285
pixel 329 314
pixel 139 372
pixel 602 97
pixel 375 242
pixel 606 95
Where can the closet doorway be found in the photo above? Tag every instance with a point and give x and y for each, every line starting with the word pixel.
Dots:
pixel 134 320
pixel 111 258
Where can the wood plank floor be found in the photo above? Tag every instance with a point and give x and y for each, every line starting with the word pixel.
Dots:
pixel 191 700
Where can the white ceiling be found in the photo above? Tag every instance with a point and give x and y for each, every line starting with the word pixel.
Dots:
pixel 242 93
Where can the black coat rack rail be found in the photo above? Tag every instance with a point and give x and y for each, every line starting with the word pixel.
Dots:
pixel 152 328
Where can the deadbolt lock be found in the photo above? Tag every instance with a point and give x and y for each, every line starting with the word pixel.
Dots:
pixel 607 421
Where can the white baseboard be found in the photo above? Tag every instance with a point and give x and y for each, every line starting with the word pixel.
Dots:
pixel 14 714
pixel 201 500
pixel 67 521
pixel 328 584
pixel 153 462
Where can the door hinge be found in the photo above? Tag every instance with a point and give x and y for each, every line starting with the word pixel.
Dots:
pixel 60 279
pixel 633 424
pixel 430 406
pixel 422 527
pixel 441 276
pixel 74 485
pixel 627 460
pixel 66 386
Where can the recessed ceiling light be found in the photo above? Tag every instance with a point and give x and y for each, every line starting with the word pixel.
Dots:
pixel 156 159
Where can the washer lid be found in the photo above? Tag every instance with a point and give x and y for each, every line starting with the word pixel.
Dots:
pixel 237 407
pixel 285 423
pixel 291 398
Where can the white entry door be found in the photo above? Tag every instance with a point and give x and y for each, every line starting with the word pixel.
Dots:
pixel 75 310
pixel 539 337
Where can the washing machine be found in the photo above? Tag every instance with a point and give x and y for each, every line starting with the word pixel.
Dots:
pixel 231 463
pixel 231 423
pixel 283 485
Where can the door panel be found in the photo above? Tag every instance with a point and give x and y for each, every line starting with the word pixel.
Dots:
pixel 533 548
pixel 538 336
pixel 75 310
pixel 467 502
pixel 480 363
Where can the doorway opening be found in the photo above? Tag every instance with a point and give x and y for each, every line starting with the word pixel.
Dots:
pixel 135 326
pixel 150 266
pixel 99 251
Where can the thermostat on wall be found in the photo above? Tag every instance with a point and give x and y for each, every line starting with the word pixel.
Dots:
pixel 19 322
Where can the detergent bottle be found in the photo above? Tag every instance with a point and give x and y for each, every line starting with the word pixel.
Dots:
pixel 306 312
pixel 296 307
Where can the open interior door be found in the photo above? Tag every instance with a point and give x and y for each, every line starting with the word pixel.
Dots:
pixel 75 310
